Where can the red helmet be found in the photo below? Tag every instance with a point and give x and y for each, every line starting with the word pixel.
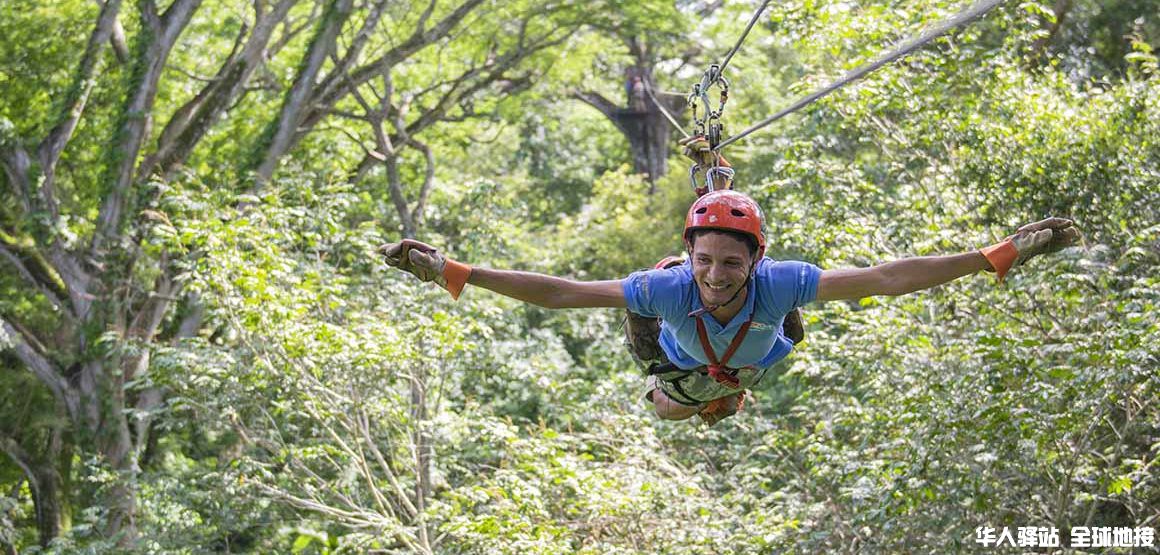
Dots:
pixel 727 210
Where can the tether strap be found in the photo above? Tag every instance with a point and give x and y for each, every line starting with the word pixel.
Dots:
pixel 717 369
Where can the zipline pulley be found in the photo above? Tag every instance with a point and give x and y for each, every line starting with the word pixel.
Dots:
pixel 710 126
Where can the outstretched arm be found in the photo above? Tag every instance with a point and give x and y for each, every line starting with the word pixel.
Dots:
pixel 898 277
pixel 428 264
pixel 915 274
pixel 549 291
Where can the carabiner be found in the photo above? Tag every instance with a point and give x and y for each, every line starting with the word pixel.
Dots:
pixel 709 127
pixel 726 174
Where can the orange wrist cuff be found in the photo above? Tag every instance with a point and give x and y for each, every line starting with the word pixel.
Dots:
pixel 1001 256
pixel 455 274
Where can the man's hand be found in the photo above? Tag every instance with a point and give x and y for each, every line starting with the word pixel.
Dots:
pixel 1043 237
pixel 426 263
pixel 697 149
pixel 420 259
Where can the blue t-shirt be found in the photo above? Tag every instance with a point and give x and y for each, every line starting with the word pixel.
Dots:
pixel 775 290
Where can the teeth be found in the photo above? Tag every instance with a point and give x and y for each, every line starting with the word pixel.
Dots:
pixel 717 287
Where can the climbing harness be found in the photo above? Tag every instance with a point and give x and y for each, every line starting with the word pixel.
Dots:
pixel 717 368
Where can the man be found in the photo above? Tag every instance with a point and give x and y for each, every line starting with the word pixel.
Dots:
pixel 721 312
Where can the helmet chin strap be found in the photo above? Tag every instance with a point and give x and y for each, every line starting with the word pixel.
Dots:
pixel 710 308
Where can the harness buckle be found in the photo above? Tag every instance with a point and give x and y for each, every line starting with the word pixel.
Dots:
pixel 723 377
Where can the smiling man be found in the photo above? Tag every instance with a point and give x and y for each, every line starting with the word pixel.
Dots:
pixel 721 312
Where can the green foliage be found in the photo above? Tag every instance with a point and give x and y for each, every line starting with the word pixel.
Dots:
pixel 606 234
pixel 325 390
pixel 35 64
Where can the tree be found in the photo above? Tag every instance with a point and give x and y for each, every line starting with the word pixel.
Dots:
pixel 115 298
pixel 653 35
pixel 196 340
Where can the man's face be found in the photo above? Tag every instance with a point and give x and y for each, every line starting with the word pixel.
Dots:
pixel 720 266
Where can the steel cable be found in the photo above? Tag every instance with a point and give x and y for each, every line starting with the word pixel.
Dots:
pixel 966 16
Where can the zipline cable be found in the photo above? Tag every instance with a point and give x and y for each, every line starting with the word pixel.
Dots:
pixel 752 22
pixel 963 17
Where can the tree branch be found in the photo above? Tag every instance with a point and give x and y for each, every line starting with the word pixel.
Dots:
pixel 19 456
pixel 29 350
pixel 283 130
pixel 430 9
pixel 350 58
pixel 289 31
pixel 368 163
pixel 395 188
pixel 179 122
pixel 76 279
pixel 52 146
pixel 197 116
pixel 148 319
pixel 17 165
pixel 458 92
pixel 428 180
pixel 120 45
pixel 12 448
pixel 610 110
pixel 52 289
pixel 384 461
pixel 596 100
pixel 419 39
pixel 160 33
pixel 496 70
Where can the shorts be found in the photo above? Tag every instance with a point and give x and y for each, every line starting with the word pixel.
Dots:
pixel 694 387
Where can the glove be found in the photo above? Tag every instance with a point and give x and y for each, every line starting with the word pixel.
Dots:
pixel 719 409
pixel 697 149
pixel 428 264
pixel 1043 237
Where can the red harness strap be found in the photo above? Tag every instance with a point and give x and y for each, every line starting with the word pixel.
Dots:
pixel 717 369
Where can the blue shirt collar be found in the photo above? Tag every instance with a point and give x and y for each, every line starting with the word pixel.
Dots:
pixel 711 323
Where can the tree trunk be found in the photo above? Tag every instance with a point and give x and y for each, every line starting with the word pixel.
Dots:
pixel 648 135
pixel 641 121
pixel 52 512
pixel 49 491
pixel 424 452
pixel 116 446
